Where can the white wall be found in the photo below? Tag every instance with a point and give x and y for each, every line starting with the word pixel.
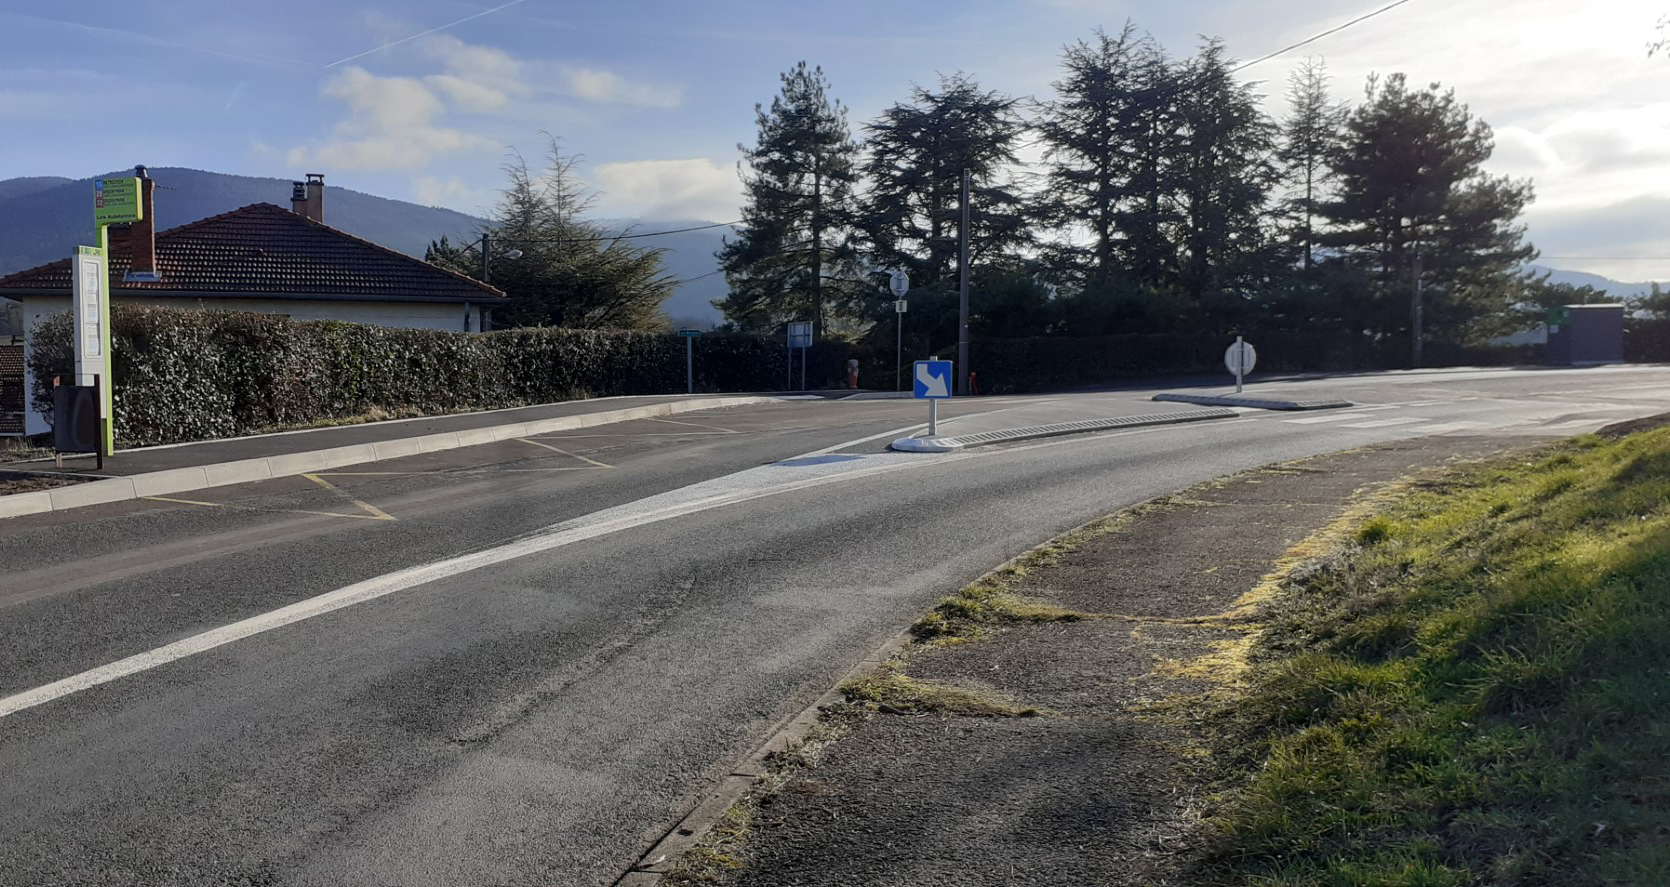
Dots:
pixel 403 315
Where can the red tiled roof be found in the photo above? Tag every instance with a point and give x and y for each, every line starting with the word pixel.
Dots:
pixel 11 360
pixel 267 251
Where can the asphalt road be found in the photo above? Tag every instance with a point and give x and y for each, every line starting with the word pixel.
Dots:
pixel 520 663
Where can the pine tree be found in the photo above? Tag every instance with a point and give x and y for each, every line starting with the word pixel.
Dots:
pixel 1411 182
pixel 1222 173
pixel 918 151
pixel 792 259
pixel 1091 133
pixel 571 272
pixel 1309 135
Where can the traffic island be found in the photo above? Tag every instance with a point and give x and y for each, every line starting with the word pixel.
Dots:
pixel 1008 435
pixel 1054 722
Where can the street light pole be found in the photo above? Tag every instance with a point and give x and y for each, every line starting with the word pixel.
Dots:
pixel 1415 319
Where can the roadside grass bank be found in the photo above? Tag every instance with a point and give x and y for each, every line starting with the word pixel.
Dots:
pixel 1474 690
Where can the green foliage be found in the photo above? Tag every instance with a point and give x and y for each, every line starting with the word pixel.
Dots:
pixel 918 151
pixel 793 257
pixel 1411 181
pixel 1310 135
pixel 1477 695
pixel 571 273
pixel 192 375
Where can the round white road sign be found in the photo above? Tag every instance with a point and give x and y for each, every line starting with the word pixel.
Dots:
pixel 1240 358
pixel 898 282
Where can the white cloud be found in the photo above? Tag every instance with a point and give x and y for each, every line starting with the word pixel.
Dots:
pixel 696 188
pixel 452 193
pixel 610 88
pixel 392 125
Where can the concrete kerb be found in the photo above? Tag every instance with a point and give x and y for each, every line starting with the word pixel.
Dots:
pixel 663 857
pixel 219 474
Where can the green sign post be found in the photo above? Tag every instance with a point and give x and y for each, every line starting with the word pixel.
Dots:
pixel 115 202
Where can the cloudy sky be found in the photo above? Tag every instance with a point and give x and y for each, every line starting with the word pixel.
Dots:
pixel 421 99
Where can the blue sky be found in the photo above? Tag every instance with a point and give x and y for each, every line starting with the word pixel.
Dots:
pixel 656 95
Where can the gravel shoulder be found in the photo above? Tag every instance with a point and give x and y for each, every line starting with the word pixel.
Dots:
pixel 1030 734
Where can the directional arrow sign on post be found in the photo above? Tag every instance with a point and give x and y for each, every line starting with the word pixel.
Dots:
pixel 933 379
pixel 933 383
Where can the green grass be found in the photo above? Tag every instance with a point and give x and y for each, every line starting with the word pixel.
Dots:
pixel 1476 692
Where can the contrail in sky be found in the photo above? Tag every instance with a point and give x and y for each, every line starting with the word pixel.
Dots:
pixel 426 33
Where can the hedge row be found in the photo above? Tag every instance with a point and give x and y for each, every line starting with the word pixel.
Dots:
pixel 1053 363
pixel 191 375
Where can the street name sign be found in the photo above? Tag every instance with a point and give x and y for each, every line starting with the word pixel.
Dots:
pixel 689 334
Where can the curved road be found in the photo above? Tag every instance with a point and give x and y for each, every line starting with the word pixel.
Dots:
pixel 521 663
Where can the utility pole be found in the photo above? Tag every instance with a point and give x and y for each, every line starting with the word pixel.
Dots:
pixel 484 245
pixel 962 294
pixel 1415 319
pixel 817 243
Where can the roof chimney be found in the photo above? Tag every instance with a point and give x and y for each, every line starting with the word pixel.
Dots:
pixel 316 196
pixel 142 235
pixel 298 198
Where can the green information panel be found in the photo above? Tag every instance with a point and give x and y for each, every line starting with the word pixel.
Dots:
pixel 1559 315
pixel 116 201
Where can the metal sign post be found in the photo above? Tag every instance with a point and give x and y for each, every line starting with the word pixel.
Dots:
pixel 115 202
pixel 933 383
pixel 899 283
pixel 1240 359
pixel 689 337
pixel 800 336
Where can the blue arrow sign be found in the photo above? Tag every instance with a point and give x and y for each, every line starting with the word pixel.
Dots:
pixel 933 378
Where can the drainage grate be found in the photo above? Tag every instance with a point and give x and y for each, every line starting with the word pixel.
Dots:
pixel 1259 403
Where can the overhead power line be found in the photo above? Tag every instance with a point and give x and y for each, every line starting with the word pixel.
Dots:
pixel 623 236
pixel 1312 39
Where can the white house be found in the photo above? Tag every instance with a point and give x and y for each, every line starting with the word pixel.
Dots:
pixel 265 259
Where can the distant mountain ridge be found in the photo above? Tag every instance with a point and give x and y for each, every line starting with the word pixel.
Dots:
pixel 1614 288
pixel 43 218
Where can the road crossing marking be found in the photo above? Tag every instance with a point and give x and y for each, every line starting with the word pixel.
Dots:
pixel 1334 417
pixel 1387 423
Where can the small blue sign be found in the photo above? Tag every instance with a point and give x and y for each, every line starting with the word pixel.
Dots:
pixel 933 378
pixel 800 334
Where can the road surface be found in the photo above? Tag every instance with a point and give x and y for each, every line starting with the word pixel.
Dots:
pixel 520 663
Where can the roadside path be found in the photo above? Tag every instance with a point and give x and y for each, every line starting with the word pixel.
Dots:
pixel 947 776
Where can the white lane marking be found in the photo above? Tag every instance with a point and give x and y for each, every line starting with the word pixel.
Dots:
pixel 790 475
pixel 1335 417
pixel 1387 423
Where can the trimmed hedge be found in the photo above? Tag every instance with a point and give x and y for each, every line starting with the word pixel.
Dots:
pixel 191 375
pixel 1056 362
pixel 186 375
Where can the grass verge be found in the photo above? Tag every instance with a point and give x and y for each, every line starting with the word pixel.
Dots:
pixel 1474 690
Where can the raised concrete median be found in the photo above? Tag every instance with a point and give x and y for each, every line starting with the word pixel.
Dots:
pixel 985 438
